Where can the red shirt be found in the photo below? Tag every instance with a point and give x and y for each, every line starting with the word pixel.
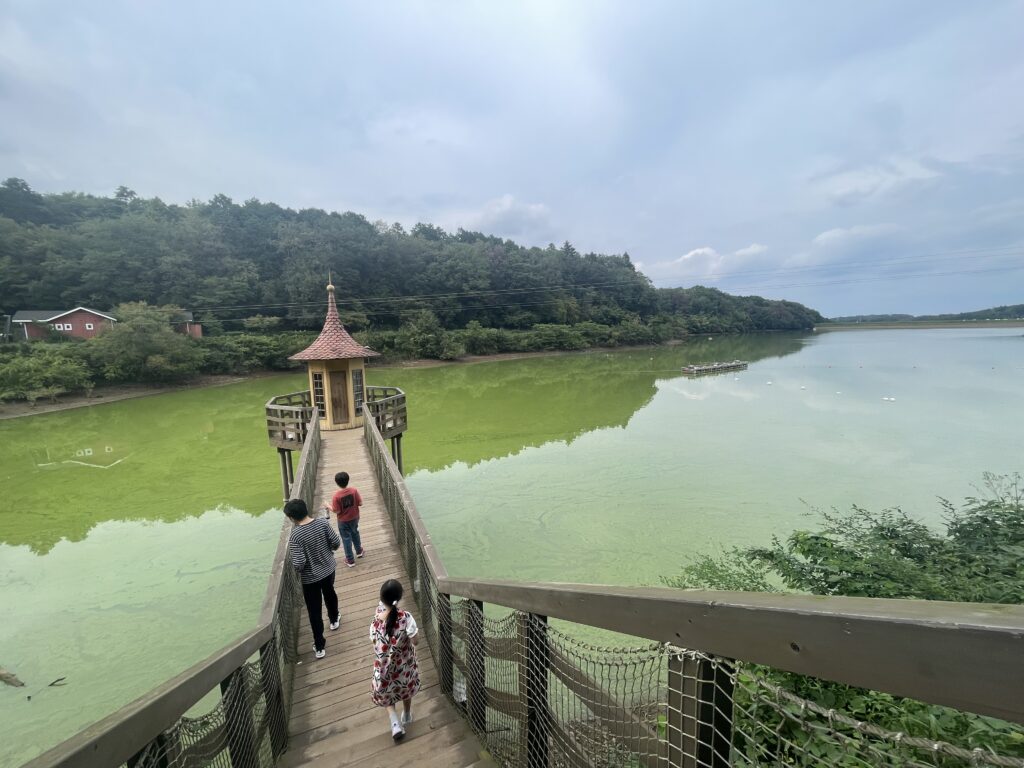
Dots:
pixel 346 503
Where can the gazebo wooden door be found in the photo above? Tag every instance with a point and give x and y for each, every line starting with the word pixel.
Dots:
pixel 339 397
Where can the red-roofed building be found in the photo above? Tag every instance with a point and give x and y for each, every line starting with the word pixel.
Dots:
pixel 80 322
pixel 336 365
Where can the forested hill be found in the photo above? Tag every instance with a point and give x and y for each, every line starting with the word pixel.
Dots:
pixel 233 262
pixel 1009 312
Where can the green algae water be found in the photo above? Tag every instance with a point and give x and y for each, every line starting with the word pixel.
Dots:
pixel 135 540
pixel 136 537
pixel 615 468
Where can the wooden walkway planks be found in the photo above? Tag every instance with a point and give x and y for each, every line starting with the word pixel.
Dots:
pixel 333 721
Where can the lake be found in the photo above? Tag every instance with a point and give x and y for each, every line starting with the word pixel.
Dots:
pixel 135 537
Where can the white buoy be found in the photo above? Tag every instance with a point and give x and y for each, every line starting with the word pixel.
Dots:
pixel 768 383
pixel 803 387
pixel 839 393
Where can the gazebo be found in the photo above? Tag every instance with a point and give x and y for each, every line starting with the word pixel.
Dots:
pixel 336 365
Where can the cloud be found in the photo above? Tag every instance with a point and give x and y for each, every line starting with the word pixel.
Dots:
pixel 754 249
pixel 876 180
pixel 699 254
pixel 508 217
pixel 842 237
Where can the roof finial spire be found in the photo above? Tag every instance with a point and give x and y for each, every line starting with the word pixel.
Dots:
pixel 330 282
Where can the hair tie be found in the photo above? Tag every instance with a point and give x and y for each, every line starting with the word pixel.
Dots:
pixel 394 604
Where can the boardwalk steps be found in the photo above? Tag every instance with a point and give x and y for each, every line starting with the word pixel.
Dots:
pixel 333 721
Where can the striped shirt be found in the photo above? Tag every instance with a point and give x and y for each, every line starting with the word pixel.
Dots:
pixel 312 547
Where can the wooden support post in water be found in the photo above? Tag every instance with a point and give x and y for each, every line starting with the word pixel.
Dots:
pixel 444 643
pixel 476 680
pixel 273 693
pixel 238 723
pixel 699 724
pixel 285 485
pixel 534 686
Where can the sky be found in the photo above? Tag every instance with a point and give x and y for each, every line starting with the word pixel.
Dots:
pixel 858 157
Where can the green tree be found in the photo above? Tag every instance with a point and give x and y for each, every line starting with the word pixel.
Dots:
pixel 142 346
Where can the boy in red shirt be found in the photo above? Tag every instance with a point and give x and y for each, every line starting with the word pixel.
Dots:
pixel 345 504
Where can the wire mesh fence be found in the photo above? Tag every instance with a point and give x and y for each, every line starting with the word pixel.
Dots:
pixel 539 696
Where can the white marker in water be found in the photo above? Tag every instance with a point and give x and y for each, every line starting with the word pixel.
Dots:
pixel 768 383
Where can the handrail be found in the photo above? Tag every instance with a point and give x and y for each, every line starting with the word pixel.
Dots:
pixel 118 737
pixel 380 453
pixel 912 648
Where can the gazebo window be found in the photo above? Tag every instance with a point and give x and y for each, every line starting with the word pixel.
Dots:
pixel 357 388
pixel 318 394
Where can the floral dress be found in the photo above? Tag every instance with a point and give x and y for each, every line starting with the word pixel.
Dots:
pixel 396 673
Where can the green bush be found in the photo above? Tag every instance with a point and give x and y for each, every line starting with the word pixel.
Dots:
pixel 978 558
pixel 43 371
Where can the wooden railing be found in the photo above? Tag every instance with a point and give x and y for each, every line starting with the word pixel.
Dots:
pixel 288 417
pixel 388 407
pixel 145 732
pixel 962 655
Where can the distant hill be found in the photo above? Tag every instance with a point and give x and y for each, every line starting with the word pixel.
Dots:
pixel 257 264
pixel 1009 312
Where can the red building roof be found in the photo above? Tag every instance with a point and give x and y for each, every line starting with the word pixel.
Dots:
pixel 333 343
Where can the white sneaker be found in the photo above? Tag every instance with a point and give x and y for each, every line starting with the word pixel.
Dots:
pixel 397 731
pixel 321 653
pixel 336 624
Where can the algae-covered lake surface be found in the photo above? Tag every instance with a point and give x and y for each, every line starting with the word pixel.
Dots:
pixel 135 537
pixel 135 540
pixel 613 468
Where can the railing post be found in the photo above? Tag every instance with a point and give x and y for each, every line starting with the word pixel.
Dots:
pixel 285 487
pixel 270 677
pixel 533 681
pixel 700 690
pixel 444 643
pixel 238 719
pixel 476 682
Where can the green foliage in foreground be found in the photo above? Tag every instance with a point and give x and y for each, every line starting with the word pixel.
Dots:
pixel 978 558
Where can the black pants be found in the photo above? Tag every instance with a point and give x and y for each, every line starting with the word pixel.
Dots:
pixel 312 593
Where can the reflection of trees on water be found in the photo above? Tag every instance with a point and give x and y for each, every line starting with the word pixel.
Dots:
pixel 471 413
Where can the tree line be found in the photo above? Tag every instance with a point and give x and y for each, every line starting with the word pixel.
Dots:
pixel 1005 312
pixel 259 266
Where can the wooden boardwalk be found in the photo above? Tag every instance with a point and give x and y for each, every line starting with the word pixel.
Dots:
pixel 333 720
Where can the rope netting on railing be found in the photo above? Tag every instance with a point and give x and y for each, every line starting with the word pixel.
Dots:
pixel 247 727
pixel 540 694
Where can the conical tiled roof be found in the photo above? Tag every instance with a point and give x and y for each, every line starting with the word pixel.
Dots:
pixel 333 343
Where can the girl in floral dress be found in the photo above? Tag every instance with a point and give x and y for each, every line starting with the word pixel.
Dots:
pixel 396 674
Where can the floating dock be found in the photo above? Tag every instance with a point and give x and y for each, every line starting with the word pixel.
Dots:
pixel 705 369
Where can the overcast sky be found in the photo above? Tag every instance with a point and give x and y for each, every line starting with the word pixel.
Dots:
pixel 830 153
